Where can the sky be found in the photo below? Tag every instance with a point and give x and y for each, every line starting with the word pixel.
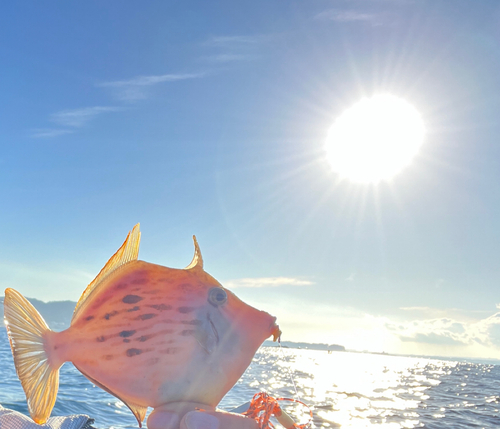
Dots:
pixel 210 118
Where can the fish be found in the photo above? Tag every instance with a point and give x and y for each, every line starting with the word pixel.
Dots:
pixel 148 334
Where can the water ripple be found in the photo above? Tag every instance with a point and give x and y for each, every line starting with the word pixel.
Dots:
pixel 348 390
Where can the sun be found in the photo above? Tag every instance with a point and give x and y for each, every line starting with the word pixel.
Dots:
pixel 374 139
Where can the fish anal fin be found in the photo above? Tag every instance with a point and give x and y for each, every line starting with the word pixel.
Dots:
pixel 129 251
pixel 139 411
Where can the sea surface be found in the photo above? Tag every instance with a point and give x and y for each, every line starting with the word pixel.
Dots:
pixel 343 390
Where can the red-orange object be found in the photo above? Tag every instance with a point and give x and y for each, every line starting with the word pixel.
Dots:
pixel 263 406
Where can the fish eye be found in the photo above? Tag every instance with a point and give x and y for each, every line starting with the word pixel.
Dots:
pixel 217 296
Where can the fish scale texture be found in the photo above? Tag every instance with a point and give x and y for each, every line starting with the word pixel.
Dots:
pixel 10 419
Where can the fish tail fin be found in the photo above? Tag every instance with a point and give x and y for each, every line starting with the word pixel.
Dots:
pixel 27 329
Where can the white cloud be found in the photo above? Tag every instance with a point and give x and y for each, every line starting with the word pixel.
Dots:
pixel 135 88
pixel 232 41
pixel 266 282
pixel 339 15
pixel 440 282
pixel 446 331
pixel 49 132
pixel 152 80
pixel 234 48
pixel 304 320
pixel 78 117
pixel 351 277
pixel 226 58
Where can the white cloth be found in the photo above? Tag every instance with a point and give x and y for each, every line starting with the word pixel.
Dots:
pixel 10 419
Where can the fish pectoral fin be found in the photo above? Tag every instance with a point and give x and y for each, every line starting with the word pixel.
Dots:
pixel 129 251
pixel 139 411
pixel 207 336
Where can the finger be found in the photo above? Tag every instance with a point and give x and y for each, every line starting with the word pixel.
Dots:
pixel 216 420
pixel 159 419
pixel 199 420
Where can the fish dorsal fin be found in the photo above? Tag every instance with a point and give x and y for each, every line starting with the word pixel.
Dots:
pixel 197 261
pixel 129 251
pixel 139 411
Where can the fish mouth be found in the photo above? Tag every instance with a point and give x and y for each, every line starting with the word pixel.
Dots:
pixel 275 330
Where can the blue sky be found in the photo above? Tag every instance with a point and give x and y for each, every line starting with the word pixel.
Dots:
pixel 210 118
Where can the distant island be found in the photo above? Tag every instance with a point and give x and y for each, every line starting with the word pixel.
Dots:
pixel 308 346
pixel 57 314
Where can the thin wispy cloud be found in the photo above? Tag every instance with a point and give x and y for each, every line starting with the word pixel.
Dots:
pixel 136 88
pixel 226 58
pixel 49 132
pixel 78 117
pixel 340 15
pixel 233 48
pixel 232 41
pixel 266 282
pixel 152 80
pixel 351 277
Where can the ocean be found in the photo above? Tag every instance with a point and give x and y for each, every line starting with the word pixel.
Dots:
pixel 343 389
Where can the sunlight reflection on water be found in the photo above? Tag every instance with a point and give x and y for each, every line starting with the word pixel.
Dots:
pixel 355 390
pixel 348 390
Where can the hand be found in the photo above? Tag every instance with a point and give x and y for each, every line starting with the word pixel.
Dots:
pixel 216 420
pixel 166 419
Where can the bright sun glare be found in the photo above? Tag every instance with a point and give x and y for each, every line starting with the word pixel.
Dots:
pixel 374 139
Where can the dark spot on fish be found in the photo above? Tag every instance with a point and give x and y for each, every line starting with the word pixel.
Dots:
pixel 191 322
pixel 108 357
pixel 141 281
pixel 126 334
pixel 186 309
pixel 55 347
pixel 146 316
pixel 186 287
pixel 120 286
pixel 133 309
pixel 133 352
pixel 126 340
pixel 89 317
pixel 187 332
pixel 144 338
pixel 108 316
pixel 161 307
pixel 132 299
pixel 170 350
pixel 101 339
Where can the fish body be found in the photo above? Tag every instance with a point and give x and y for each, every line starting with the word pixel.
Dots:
pixel 148 334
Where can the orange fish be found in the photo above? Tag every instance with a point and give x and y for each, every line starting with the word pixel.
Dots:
pixel 147 334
